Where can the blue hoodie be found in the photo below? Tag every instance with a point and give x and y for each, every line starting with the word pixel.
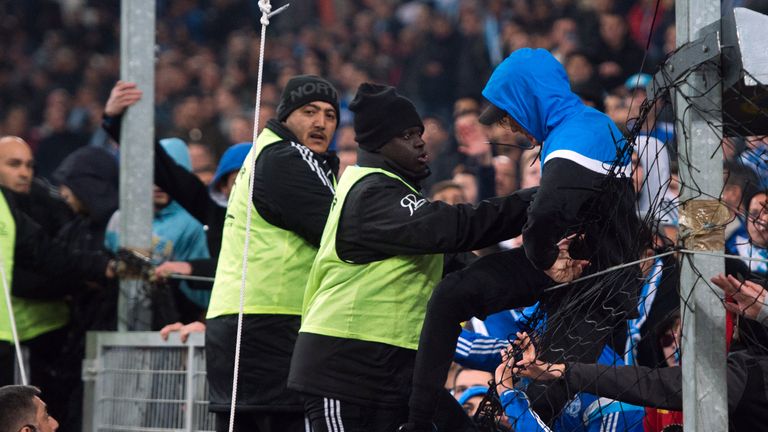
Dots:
pixel 533 88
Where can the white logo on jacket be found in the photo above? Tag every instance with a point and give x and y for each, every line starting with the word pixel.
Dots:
pixel 412 203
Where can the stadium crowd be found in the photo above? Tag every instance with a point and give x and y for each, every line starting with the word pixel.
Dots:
pixel 61 109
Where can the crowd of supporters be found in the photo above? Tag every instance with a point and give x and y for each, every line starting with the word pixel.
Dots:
pixel 60 117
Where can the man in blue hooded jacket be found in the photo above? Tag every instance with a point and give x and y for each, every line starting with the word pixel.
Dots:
pixel 585 195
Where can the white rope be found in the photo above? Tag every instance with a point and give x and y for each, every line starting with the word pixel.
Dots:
pixel 266 13
pixel 12 319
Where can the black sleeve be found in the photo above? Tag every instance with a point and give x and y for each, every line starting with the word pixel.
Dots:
pixel 486 182
pixel 182 186
pixel 565 188
pixel 34 249
pixel 457 261
pixel 637 385
pixel 293 190
pixel 387 217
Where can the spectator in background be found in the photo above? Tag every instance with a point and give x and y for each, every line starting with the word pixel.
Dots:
pixel 447 192
pixel 617 56
pixel 530 169
pixel 467 181
pixel 467 378
pixel 177 237
pixel 202 162
pixel 506 175
pixel 346 148
pixel 474 144
pixel 756 157
pixel 756 244
pixel 470 400
pixel 57 140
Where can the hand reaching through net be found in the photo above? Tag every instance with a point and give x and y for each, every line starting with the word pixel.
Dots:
pixel 525 364
pixel 565 268
pixel 750 297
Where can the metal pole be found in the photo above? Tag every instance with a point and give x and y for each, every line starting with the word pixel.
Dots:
pixel 137 55
pixel 189 414
pixel 701 166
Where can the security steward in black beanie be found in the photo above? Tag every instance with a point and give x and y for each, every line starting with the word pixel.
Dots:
pixel 294 179
pixel 382 252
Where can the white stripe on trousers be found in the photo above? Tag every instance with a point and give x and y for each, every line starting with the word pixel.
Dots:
pixel 332 410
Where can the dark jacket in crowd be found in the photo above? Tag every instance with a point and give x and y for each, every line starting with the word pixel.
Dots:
pixel 34 249
pixel 289 194
pixel 51 213
pixel 746 380
pixel 92 175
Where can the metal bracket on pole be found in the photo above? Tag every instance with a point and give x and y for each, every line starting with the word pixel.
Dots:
pixel 688 58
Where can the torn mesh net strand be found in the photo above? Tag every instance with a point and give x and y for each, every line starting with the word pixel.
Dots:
pixel 611 269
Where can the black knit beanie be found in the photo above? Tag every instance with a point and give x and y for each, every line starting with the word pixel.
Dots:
pixel 381 114
pixel 303 89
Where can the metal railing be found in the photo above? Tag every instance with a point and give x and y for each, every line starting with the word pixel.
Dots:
pixel 138 382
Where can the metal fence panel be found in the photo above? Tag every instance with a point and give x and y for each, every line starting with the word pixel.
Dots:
pixel 138 382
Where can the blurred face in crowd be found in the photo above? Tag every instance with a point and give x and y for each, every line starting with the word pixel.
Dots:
pixel 670 343
pixel 314 125
pixel 451 195
pixel 472 404
pixel 226 186
pixel 468 183
pixel 159 198
pixel 467 378
pixel 16 164
pixel 408 150
pixel 612 29
pixel 757 226
pixel 578 68
pixel 530 170
pixel 471 135
pixel 506 175
pixel 346 148
pixel 435 136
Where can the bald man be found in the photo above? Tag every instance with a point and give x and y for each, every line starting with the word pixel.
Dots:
pixel 33 197
pixel 16 164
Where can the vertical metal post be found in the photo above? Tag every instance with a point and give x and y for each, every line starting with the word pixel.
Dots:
pixel 137 55
pixel 701 166
pixel 189 414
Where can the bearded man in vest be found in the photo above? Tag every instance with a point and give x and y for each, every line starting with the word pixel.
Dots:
pixel 384 248
pixel 294 179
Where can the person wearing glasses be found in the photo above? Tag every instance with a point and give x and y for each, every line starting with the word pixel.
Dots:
pixel 22 410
